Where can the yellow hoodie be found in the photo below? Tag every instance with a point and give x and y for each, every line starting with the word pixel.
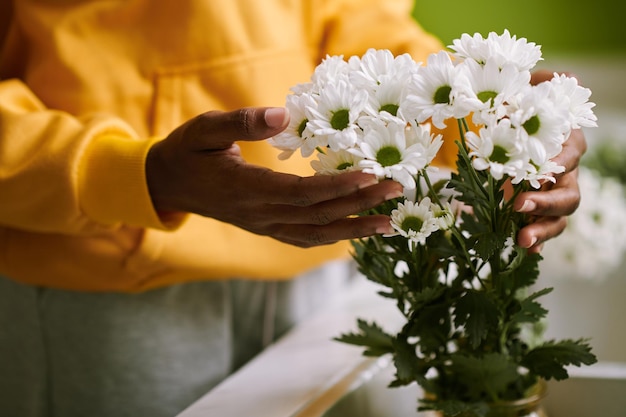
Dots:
pixel 86 87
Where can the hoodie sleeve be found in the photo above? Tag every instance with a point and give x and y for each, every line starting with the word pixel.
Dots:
pixel 61 174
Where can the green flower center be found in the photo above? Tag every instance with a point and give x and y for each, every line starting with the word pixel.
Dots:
pixel 499 155
pixel 532 125
pixel 388 156
pixel 390 108
pixel 340 119
pixel 302 126
pixel 412 223
pixel 442 95
pixel 344 165
pixel 486 96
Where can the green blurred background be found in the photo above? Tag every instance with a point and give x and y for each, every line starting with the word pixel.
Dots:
pixel 587 39
pixel 559 26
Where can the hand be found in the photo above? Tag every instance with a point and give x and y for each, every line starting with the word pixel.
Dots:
pixel 556 201
pixel 199 169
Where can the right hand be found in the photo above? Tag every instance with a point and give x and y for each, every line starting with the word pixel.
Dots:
pixel 199 169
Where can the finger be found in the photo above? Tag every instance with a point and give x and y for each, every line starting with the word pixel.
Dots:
pixel 218 130
pixel 545 228
pixel 306 236
pixel 561 200
pixel 573 150
pixel 332 210
pixel 293 190
pixel 536 248
pixel 542 75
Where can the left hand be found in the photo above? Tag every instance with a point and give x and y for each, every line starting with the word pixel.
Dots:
pixel 556 201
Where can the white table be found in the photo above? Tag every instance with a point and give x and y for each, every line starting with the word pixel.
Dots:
pixel 305 372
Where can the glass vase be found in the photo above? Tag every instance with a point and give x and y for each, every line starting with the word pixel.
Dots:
pixel 530 406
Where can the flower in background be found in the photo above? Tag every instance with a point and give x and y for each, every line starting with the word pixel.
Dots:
pixel 592 246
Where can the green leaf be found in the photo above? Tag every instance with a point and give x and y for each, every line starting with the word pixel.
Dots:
pixel 469 182
pixel 524 275
pixel 488 243
pixel 484 377
pixel 471 225
pixel 371 336
pixel 407 363
pixel 429 295
pixel 432 324
pixel 476 313
pixel 530 310
pixel 550 359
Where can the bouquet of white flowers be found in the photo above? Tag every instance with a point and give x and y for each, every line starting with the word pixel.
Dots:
pixel 452 266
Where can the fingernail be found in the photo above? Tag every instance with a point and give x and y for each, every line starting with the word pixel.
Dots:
pixel 386 230
pixel 528 206
pixel 532 241
pixel 276 117
pixel 368 182
pixel 394 194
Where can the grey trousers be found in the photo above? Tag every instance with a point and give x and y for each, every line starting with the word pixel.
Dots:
pixel 72 354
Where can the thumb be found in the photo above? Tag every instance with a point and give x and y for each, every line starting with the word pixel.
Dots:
pixel 218 130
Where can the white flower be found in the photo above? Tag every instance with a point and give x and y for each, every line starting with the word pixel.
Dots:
pixel 335 162
pixel 502 48
pixel 543 124
pixel 443 215
pixel 576 99
pixel 414 221
pixel 331 69
pixel 498 149
pixel 385 101
pixel 436 91
pixel 507 151
pixel 535 175
pixel 428 143
pixel 472 47
pixel 378 66
pixel 384 77
pixel 387 151
pixel 520 52
pixel 492 86
pixel 592 246
pixel 302 88
pixel 339 106
pixel 298 133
